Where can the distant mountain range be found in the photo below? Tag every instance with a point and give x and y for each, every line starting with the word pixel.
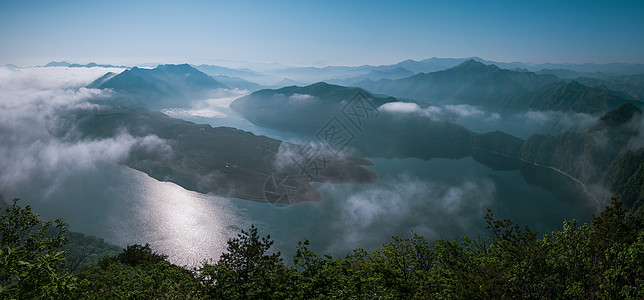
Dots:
pixel 345 75
pixel 618 77
pixel 489 86
pixel 395 73
pixel 71 65
pixel 162 87
pixel 242 73
pixel 238 83
pixel 632 86
pixel 608 154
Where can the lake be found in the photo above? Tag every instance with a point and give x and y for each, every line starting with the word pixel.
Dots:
pixel 439 198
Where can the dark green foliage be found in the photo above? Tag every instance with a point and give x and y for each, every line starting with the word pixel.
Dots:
pixel 248 270
pixel 601 260
pixel 633 190
pixel 598 260
pixel 84 251
pixel 31 259
pixel 625 175
pixel 113 279
pixel 135 255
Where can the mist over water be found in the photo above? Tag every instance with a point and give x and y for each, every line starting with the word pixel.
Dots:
pixel 439 198
pixel 84 183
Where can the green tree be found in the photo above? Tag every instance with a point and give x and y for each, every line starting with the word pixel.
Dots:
pixel 31 258
pixel 139 273
pixel 248 270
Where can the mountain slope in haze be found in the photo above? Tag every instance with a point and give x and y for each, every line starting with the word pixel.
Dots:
pixel 237 83
pixel 569 74
pixel 221 160
pixel 243 73
pixel 571 96
pixel 609 153
pixel 625 177
pixel 321 109
pixel 394 73
pixel 161 87
pixel 286 82
pixel 393 133
pixel 285 108
pixel 461 84
pixel 584 157
pixel 349 75
pixel 489 86
pixel 632 86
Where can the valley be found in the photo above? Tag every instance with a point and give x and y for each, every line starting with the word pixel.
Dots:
pixel 333 153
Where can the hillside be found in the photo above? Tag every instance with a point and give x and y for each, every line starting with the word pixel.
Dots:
pixel 571 96
pixel 631 86
pixel 301 109
pixel 161 87
pixel 607 153
pixel 317 109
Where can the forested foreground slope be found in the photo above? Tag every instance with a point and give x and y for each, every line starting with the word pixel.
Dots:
pixel 598 260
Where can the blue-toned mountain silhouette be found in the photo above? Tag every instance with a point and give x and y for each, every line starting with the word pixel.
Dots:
pixel 489 86
pixel 161 87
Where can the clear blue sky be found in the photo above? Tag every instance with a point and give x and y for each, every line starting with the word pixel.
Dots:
pixel 320 32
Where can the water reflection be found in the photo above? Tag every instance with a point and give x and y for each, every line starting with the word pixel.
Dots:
pixel 125 207
pixel 188 226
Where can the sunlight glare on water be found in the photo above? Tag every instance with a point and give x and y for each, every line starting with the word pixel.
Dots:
pixel 187 226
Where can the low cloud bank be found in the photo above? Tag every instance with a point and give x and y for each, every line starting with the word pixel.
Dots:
pixel 446 112
pixel 407 203
pixel 217 106
pixel 480 120
pixel 31 101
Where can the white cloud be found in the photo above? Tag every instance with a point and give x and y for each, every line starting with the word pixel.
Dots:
pixel 454 207
pixel 400 107
pixel 556 119
pixel 447 112
pixel 464 110
pixel 432 112
pixel 300 97
pixel 494 117
pixel 30 103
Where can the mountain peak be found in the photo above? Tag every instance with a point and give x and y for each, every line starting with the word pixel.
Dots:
pixel 58 64
pixel 575 84
pixel 319 84
pixel 177 68
pixel 161 87
pixel 473 65
pixel 174 66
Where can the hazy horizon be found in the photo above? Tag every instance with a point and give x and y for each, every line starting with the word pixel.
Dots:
pixel 319 33
pixel 263 65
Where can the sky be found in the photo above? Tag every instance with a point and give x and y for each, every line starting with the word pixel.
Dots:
pixel 319 32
